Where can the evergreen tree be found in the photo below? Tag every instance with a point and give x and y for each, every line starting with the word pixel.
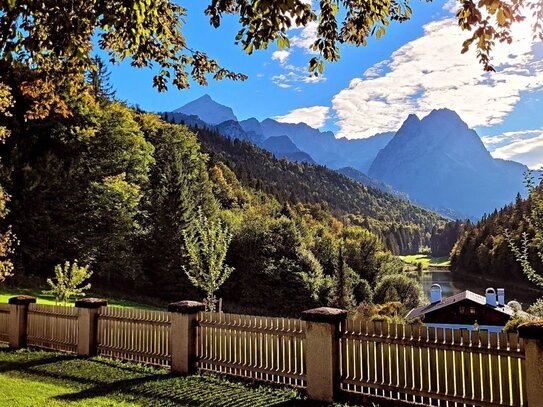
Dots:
pixel 98 77
pixel 343 285
pixel 178 185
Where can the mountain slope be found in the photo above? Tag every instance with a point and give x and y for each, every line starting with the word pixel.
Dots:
pixel 207 110
pixel 325 148
pixel 441 163
pixel 283 147
pixel 402 226
pixel 370 182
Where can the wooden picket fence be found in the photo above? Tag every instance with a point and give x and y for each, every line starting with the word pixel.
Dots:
pixel 135 335
pixel 259 348
pixel 4 322
pixel 376 361
pixel 52 327
pixel 438 367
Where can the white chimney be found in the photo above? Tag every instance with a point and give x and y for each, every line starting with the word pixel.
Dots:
pixel 491 297
pixel 501 297
pixel 435 293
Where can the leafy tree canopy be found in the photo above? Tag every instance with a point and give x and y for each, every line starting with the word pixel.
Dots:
pixel 55 36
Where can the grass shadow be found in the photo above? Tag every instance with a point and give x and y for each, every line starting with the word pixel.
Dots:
pixel 13 365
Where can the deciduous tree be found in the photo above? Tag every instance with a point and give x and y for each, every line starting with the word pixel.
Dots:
pixel 535 241
pixel 69 280
pixel 207 246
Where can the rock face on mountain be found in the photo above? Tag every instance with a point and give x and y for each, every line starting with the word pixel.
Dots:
pixel 441 163
pixel 283 147
pixel 208 110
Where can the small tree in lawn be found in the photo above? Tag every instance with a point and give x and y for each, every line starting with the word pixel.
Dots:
pixel 207 245
pixel 69 278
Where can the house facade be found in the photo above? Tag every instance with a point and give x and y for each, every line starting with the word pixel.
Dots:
pixel 466 310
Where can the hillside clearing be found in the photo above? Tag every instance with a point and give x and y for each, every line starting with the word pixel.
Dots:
pixel 42 297
pixel 426 260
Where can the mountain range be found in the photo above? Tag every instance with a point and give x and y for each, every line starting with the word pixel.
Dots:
pixel 437 162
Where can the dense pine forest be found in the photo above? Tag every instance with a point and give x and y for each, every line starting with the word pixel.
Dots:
pixel 482 250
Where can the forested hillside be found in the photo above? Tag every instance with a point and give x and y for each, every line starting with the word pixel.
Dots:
pixel 117 189
pixel 403 227
pixel 483 251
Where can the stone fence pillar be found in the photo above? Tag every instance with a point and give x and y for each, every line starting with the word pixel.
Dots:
pixel 183 335
pixel 18 318
pixel 88 325
pixel 532 333
pixel 322 352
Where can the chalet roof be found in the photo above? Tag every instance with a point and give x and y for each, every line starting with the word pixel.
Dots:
pixel 465 295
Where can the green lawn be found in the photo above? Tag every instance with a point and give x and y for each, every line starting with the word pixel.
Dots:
pixel 47 299
pixel 426 260
pixel 38 378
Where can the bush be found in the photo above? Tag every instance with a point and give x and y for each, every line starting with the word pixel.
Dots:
pixel 388 312
pixel 398 287
pixel 536 309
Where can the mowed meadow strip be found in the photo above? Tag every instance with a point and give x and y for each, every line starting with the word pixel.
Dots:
pixel 432 366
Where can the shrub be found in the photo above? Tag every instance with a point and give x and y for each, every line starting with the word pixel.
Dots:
pixel 69 279
pixel 398 287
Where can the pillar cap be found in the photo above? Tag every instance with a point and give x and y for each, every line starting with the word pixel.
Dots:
pixel 325 314
pixel 91 303
pixel 186 307
pixel 531 330
pixel 22 300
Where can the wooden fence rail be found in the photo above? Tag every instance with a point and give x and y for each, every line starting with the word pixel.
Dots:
pixel 4 322
pixel 259 348
pixel 439 367
pixel 324 353
pixel 52 327
pixel 135 335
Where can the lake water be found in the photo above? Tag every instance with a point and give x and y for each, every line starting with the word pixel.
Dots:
pixel 441 277
pixel 450 286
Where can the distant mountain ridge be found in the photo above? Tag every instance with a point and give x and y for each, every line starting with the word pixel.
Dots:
pixel 208 110
pixel 323 147
pixel 440 162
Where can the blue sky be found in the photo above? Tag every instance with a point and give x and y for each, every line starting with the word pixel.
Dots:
pixel 416 67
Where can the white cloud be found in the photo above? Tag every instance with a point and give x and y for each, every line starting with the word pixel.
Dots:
pixel 493 142
pixel 281 56
pixel 314 116
pixel 295 76
pixel 451 6
pixel 430 73
pixel 528 151
pixel 307 37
